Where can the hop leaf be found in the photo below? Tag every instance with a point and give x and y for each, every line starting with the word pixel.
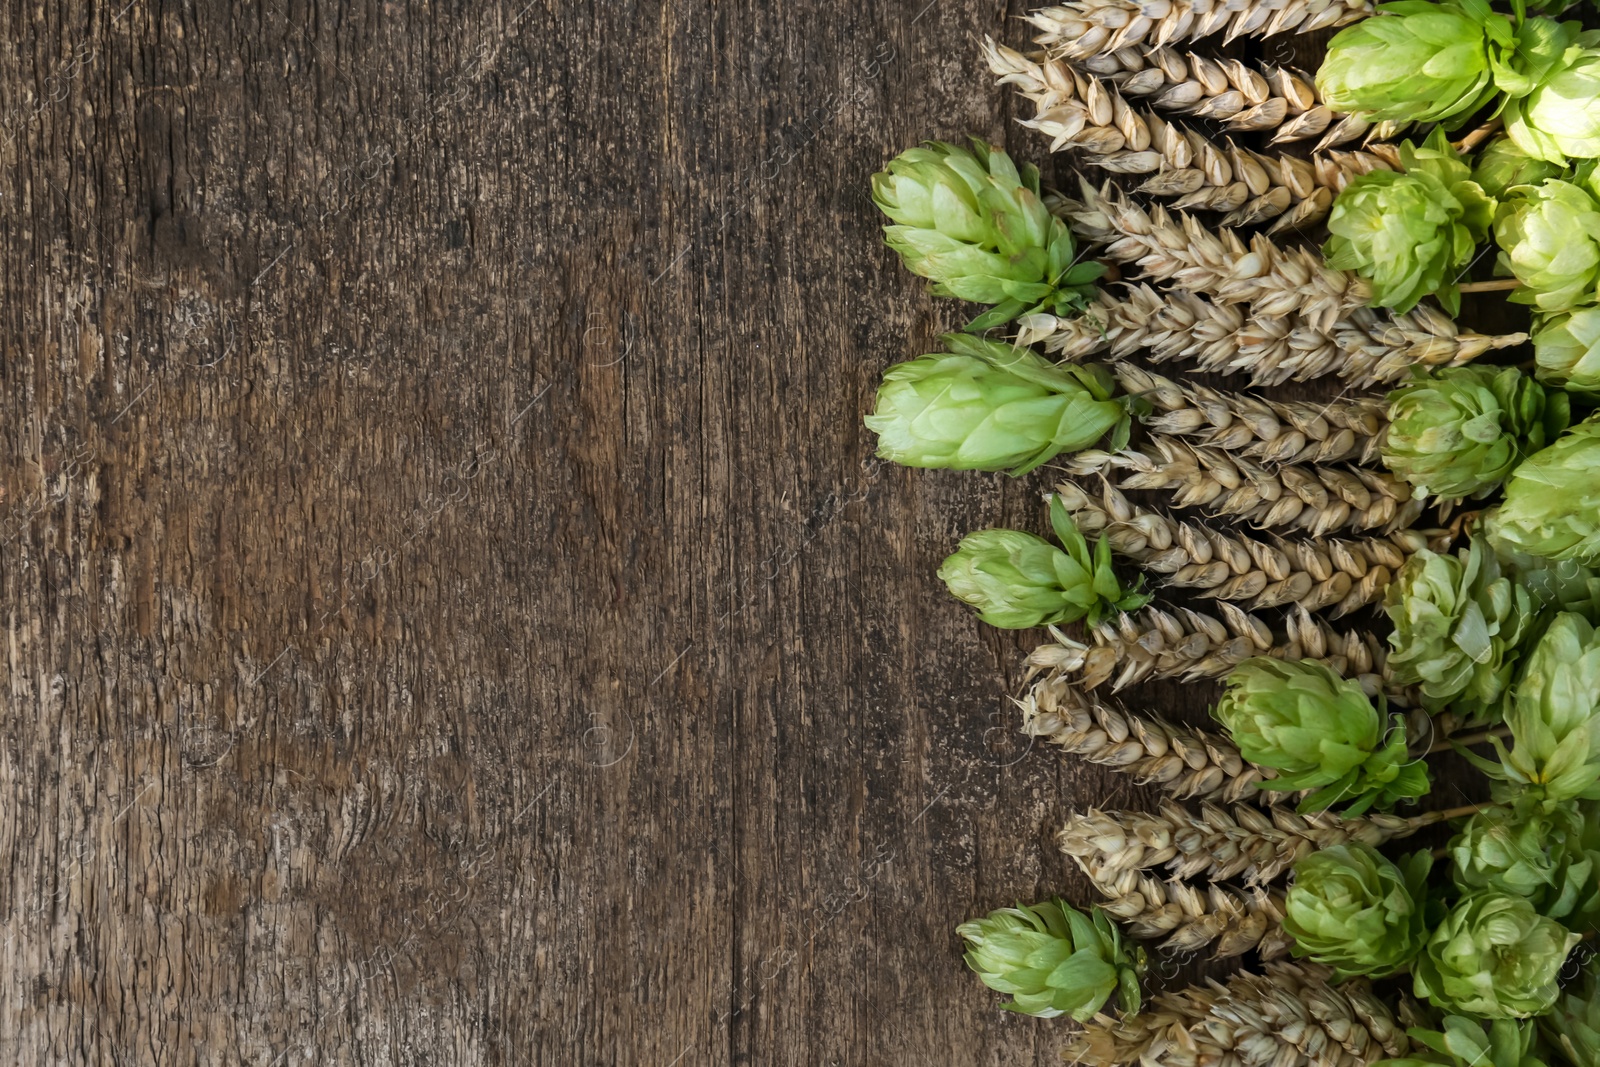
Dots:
pixel 1552 501
pixel 1017 580
pixel 1415 62
pixel 1355 911
pixel 1501 166
pixel 1053 960
pixel 1495 957
pixel 989 406
pixel 1460 431
pixel 1319 732
pixel 1567 348
pixel 1546 858
pixel 1457 623
pixel 1557 119
pixel 1554 716
pixel 974 225
pixel 1411 233
pixel 1468 1042
pixel 1549 238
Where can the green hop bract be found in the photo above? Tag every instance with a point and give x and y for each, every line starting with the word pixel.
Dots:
pixel 1457 623
pixel 1567 349
pixel 974 225
pixel 1557 120
pixel 1546 858
pixel 1493 956
pixel 1414 62
pixel 1017 580
pixel 1411 233
pixel 1467 1042
pixel 1549 238
pixel 1319 732
pixel 1501 165
pixel 1355 911
pixel 1552 501
pixel 1572 1027
pixel 1460 431
pixel 989 406
pixel 1052 959
pixel 1554 715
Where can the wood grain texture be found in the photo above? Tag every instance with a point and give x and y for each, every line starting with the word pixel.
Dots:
pixel 451 612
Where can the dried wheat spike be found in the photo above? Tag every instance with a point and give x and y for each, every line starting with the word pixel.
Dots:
pixel 1263 99
pixel 1187 644
pixel 1365 347
pixel 1273 279
pixel 1270 431
pixel 1082 28
pixel 1190 919
pixel 1312 498
pixel 1290 1016
pixel 1219 842
pixel 1183 761
pixel 1078 110
pixel 1341 575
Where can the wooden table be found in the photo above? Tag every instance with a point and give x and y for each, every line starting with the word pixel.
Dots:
pixel 452 612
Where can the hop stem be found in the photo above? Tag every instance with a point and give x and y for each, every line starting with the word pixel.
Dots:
pixel 1496 285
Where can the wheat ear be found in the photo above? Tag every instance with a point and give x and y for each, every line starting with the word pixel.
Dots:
pixel 1081 28
pixel 1190 919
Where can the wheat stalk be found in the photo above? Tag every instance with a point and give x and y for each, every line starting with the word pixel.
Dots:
pixel 1271 431
pixel 1312 498
pixel 1190 919
pixel 1187 644
pixel 1219 842
pixel 1077 110
pixel 1290 1016
pixel 1339 574
pixel 1078 29
pixel 1363 346
pixel 1185 762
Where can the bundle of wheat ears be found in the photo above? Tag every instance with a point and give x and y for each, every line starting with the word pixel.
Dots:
pixel 1393 566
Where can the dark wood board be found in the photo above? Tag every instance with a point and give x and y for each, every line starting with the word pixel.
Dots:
pixel 452 615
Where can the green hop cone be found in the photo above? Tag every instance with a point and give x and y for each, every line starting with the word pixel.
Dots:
pixel 974 225
pixel 1053 960
pixel 1460 431
pixel 1567 349
pixel 1017 580
pixel 1466 1042
pixel 1501 166
pixel 1554 716
pixel 1411 233
pixel 1493 956
pixel 989 406
pixel 1572 1027
pixel 1352 909
pixel 1415 62
pixel 1557 120
pixel 1457 623
pixel 1546 858
pixel 1549 238
pixel 1552 501
pixel 1319 732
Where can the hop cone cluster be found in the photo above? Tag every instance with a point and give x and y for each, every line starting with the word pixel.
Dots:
pixel 1467 1042
pixel 1319 732
pixel 1557 119
pixel 1017 580
pixel 1357 912
pixel 1501 166
pixel 1546 858
pixel 1552 501
pixel 1412 232
pixel 1554 716
pixel 1457 624
pixel 1549 238
pixel 1567 349
pixel 974 225
pixel 1052 959
pixel 988 406
pixel 1460 431
pixel 1493 956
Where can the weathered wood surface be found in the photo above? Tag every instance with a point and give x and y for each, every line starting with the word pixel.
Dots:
pixel 451 613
